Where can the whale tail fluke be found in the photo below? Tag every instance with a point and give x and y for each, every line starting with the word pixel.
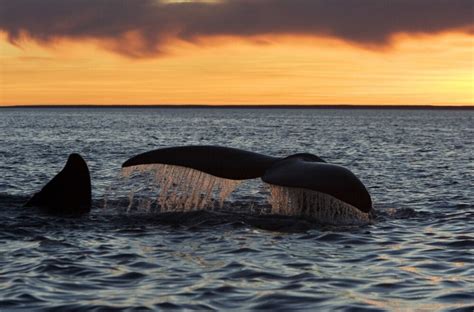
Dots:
pixel 301 171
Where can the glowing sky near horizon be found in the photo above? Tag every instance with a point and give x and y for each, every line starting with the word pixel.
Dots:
pixel 126 62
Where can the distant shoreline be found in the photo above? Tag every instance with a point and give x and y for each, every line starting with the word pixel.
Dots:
pixel 230 106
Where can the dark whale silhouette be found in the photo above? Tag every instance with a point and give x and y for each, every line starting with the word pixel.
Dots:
pixel 304 171
pixel 68 193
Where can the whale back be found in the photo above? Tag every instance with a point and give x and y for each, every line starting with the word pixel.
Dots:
pixel 69 192
pixel 223 162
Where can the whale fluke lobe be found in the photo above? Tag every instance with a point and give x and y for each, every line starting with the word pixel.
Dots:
pixel 69 192
pixel 223 162
pixel 333 180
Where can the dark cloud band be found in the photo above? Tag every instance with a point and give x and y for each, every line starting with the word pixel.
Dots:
pixel 154 22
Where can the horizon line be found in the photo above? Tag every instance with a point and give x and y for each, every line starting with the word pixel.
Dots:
pixel 249 106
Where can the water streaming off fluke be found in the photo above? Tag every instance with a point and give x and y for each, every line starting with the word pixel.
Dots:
pixel 318 206
pixel 168 188
pixel 171 188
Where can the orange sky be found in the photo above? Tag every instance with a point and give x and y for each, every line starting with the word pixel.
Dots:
pixel 435 70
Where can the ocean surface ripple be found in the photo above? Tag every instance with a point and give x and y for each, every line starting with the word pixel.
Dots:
pixel 418 255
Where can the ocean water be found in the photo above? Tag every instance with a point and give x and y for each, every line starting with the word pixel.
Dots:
pixel 418 255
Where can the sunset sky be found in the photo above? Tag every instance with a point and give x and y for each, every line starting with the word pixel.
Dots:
pixel 237 52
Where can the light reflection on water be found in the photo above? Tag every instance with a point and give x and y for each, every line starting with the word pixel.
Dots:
pixel 418 165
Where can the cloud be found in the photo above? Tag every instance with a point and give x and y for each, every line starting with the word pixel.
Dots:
pixel 144 27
